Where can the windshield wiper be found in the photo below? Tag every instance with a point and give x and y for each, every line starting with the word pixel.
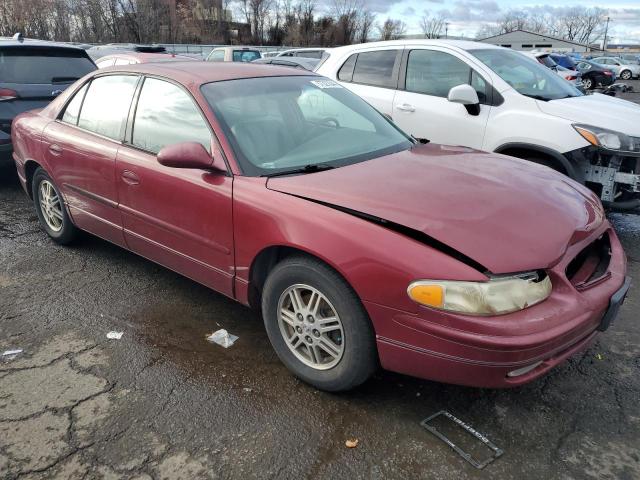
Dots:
pixel 64 79
pixel 311 168
pixel 537 97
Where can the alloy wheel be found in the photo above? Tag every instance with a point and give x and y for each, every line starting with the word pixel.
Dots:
pixel 311 327
pixel 51 206
pixel 626 75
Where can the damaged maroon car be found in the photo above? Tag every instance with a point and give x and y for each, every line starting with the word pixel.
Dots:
pixel 361 246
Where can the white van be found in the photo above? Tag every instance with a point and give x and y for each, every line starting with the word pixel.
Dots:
pixel 495 99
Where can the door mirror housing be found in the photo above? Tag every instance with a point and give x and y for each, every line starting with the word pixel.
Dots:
pixel 190 155
pixel 467 96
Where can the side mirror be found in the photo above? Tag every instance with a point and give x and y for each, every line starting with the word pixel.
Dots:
pixel 189 155
pixel 467 96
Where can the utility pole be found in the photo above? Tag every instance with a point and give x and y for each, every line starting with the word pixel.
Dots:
pixel 606 30
pixel 446 29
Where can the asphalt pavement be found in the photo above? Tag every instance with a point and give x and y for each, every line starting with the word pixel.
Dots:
pixel 162 402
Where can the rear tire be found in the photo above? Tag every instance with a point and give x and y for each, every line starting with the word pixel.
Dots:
pixel 587 83
pixel 51 209
pixel 625 75
pixel 332 355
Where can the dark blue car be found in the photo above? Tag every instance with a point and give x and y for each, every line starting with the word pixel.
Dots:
pixel 32 73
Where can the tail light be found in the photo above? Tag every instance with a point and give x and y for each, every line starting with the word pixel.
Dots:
pixel 607 73
pixel 7 94
pixel 571 77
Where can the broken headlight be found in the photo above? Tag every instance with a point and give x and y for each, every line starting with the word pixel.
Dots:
pixel 601 137
pixel 498 296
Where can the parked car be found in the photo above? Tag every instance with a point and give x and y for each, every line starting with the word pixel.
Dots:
pixel 99 51
pixel 269 54
pixel 564 60
pixel 633 58
pixel 32 73
pixel 624 70
pixel 296 62
pixel 131 58
pixel 544 58
pixel 495 99
pixel 233 54
pixel 303 52
pixel 281 189
pixel 594 75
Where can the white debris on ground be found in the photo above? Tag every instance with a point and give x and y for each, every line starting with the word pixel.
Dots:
pixel 222 338
pixel 114 335
pixel 11 354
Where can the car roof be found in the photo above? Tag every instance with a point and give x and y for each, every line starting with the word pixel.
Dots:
pixel 189 72
pixel 462 44
pixel 29 42
pixel 146 56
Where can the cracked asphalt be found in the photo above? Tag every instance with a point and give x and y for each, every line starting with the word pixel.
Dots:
pixel 163 403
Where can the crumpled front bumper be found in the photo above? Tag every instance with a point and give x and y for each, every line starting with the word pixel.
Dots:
pixel 482 351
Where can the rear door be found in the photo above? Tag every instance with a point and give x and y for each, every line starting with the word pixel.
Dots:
pixel 180 218
pixel 421 107
pixel 373 75
pixel 80 149
pixel 36 75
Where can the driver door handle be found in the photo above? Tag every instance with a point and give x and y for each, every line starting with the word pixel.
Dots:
pixel 55 149
pixel 130 178
pixel 405 107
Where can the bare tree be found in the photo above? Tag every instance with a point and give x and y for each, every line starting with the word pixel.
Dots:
pixel 432 26
pixel 366 22
pixel 392 29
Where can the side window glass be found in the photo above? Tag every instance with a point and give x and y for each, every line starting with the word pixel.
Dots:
pixel 375 68
pixel 345 73
pixel 435 73
pixel 166 115
pixel 480 86
pixel 73 107
pixel 122 61
pixel 217 56
pixel 107 103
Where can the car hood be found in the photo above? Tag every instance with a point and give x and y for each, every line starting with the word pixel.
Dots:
pixel 506 214
pixel 598 110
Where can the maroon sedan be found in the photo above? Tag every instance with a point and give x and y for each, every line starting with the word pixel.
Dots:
pixel 285 191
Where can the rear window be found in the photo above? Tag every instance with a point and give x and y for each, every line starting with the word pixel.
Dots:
pixel 376 68
pixel 43 65
pixel 245 55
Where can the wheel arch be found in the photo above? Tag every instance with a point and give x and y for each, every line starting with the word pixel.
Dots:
pixel 264 262
pixel 520 150
pixel 30 167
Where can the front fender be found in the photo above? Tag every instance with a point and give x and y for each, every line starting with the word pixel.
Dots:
pixel 377 262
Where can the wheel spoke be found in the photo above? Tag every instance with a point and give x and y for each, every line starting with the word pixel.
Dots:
pixel 329 347
pixel 296 300
pixel 314 303
pixel 329 324
pixel 295 341
pixel 56 213
pixel 288 316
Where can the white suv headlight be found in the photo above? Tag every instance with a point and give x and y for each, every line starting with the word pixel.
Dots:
pixel 601 137
pixel 498 296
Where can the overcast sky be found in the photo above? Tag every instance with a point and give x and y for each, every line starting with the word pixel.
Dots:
pixel 466 16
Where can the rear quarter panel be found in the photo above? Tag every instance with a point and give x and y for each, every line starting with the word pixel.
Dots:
pixel 26 136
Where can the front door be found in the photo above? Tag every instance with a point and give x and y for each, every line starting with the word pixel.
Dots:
pixel 421 108
pixel 180 218
pixel 80 150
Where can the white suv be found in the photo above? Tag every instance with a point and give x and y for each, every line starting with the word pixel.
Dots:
pixel 495 99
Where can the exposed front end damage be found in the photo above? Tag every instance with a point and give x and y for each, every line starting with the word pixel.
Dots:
pixel 613 175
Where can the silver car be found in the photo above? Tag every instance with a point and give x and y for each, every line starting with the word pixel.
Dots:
pixel 623 69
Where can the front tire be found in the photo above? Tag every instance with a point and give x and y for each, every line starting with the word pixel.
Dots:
pixel 317 325
pixel 51 209
pixel 626 75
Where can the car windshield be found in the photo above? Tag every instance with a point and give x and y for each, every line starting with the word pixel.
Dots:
pixel 287 124
pixel 525 75
pixel 245 55
pixel 43 65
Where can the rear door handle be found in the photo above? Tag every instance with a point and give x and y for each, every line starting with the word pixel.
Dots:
pixel 130 178
pixel 405 107
pixel 55 149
